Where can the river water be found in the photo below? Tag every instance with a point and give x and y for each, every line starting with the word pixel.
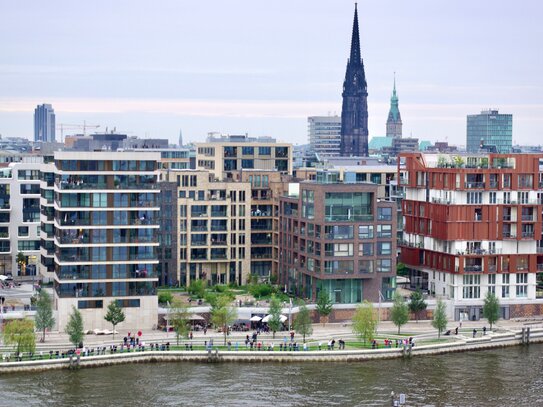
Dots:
pixel 501 377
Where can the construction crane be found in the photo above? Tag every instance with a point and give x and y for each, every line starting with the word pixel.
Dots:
pixel 84 126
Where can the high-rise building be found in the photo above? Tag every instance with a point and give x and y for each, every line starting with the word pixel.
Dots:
pixel 338 237
pixel 394 121
pixel 106 218
pixel 490 130
pixel 354 111
pixel 472 224
pixel 44 123
pixel 324 135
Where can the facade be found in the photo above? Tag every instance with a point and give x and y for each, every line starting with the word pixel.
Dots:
pixel 225 155
pixel 394 121
pixel 337 237
pixel 214 228
pixel 491 130
pixel 354 111
pixel 44 123
pixel 106 217
pixel 20 217
pixel 402 145
pixel 324 135
pixel 473 225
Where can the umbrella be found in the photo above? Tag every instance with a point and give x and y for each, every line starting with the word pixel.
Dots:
pixel 3 277
pixel 256 318
pixel 283 318
pixel 195 317
pixel 266 318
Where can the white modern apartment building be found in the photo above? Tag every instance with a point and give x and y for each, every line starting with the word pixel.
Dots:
pixel 324 134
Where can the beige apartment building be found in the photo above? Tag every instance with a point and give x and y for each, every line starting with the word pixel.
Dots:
pixel 214 226
pixel 225 155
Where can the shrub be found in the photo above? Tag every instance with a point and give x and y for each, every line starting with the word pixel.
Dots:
pixel 165 297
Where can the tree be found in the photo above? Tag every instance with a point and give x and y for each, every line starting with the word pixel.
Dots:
pixel 417 303
pixel 324 305
pixel 365 321
pixel 197 288
pixel 179 316
pixel 439 321
pixel 21 261
pixel 20 332
pixel 223 315
pixel 275 314
pixel 44 313
pixel 74 327
pixel 399 314
pixel 491 308
pixel 302 323
pixel 115 315
pixel 165 297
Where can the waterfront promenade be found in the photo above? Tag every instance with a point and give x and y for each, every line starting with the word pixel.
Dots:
pixel 506 334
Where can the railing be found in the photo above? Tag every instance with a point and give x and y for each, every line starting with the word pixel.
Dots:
pixel 219 242
pixel 199 228
pixel 218 228
pixel 474 267
pixel 218 213
pixel 218 256
pixel 528 217
pixel 493 184
pixel 198 243
pixel 540 267
pixel 509 235
pixel 492 267
pixel 506 218
pixel 475 185
pixel 527 235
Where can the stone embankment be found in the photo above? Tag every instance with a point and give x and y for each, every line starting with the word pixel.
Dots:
pixel 459 344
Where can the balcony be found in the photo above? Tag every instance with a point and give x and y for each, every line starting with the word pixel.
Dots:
pixel 199 228
pixel 475 185
pixel 473 268
pixel 540 267
pixel 509 235
pixel 218 214
pixel 527 235
pixel 528 218
pixel 493 184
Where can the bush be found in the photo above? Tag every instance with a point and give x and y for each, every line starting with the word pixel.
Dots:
pixel 165 297
pixel 220 288
pixel 260 290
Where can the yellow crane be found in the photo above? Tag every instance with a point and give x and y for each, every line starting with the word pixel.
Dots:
pixel 84 126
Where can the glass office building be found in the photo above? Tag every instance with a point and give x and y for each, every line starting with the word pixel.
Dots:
pixel 490 129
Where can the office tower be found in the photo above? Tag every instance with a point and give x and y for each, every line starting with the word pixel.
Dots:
pixel 324 135
pixel 44 123
pixel 354 111
pixel 490 131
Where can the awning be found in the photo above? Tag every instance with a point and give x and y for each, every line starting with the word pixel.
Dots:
pixel 255 318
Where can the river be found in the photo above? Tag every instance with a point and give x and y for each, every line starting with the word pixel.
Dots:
pixel 502 377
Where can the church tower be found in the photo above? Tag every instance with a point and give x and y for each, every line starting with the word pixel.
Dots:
pixel 394 121
pixel 354 112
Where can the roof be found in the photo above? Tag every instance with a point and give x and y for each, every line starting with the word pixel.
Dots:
pixel 377 143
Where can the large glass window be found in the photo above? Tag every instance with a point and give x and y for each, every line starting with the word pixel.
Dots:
pixel 365 232
pixel 349 206
pixel 384 231
pixel 339 232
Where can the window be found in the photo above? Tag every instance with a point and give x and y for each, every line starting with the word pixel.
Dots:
pixel 384 265
pixel 248 150
pixel 384 213
pixel 339 232
pixel 365 249
pixel 247 163
pixel 384 248
pixel 472 287
pixel 474 197
pixel 348 206
pixel 365 232
pixel 264 150
pixel 492 197
pixel 384 231
pixel 23 231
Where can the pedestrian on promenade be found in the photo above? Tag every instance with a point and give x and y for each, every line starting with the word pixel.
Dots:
pixel 484 330
pixel 474 332
pixel 456 331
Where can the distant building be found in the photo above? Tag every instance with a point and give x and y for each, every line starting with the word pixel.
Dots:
pixel 394 121
pixel 324 135
pixel 44 123
pixel 402 145
pixel 354 111
pixel 376 144
pixel 490 129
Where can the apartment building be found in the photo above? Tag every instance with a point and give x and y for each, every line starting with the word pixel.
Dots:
pixel 106 216
pixel 338 237
pixel 214 225
pixel 225 155
pixel 472 224
pixel 20 216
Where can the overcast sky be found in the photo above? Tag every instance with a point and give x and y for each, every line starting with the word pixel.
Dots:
pixel 151 68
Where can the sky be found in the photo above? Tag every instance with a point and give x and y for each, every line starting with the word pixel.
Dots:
pixel 152 69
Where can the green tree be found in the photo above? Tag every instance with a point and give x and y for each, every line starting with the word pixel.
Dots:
pixel 491 308
pixel 417 303
pixel 275 314
pixel 365 321
pixel 165 297
pixel 44 313
pixel 439 321
pixel 179 317
pixel 399 313
pixel 223 315
pixel 302 323
pixel 115 315
pixel 74 327
pixel 324 305
pixel 20 333
pixel 197 288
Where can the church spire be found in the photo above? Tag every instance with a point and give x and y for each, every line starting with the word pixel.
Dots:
pixel 355 40
pixel 394 121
